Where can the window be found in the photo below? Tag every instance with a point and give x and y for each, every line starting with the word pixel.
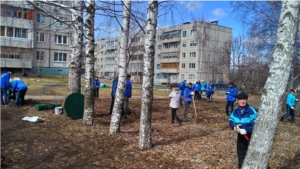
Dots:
pixel 158 75
pixel 183 55
pixel 9 32
pixel 40 18
pixel 59 39
pixel 183 65
pixel 182 76
pixel 193 43
pixel 157 66
pixel 191 76
pixel 59 23
pixel 166 45
pixel 39 55
pixel 192 54
pixel 193 32
pixel 159 46
pixel 101 59
pixel 191 65
pixel 109 58
pixel 63 2
pixel 109 66
pixel 110 43
pixel 158 37
pixel 40 37
pixel 158 56
pixel 175 45
pixel 183 33
pixel 183 44
pixel 60 57
pixel 20 33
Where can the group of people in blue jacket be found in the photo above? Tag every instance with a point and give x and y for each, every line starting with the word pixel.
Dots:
pixel 17 88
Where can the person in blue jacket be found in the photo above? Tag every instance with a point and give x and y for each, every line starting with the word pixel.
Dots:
pixel 113 94
pixel 182 85
pixel 127 96
pixel 242 120
pixel 290 104
pixel 209 92
pixel 231 97
pixel 187 95
pixel 96 87
pixel 4 85
pixel 21 88
pixel 197 89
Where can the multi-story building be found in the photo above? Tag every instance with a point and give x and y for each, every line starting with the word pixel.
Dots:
pixel 32 41
pixel 191 51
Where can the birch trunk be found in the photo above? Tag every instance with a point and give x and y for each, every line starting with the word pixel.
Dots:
pixel 74 82
pixel 148 76
pixel 267 121
pixel 119 97
pixel 89 64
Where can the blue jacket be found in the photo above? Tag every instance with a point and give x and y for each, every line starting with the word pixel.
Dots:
pixel 114 87
pixel 182 85
pixel 245 117
pixel 209 90
pixel 18 85
pixel 197 87
pixel 5 81
pixel 291 100
pixel 96 83
pixel 128 89
pixel 187 94
pixel 232 94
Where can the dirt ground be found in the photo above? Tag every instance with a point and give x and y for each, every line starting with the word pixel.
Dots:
pixel 61 142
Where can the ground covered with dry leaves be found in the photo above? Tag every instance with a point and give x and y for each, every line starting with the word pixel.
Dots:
pixel 202 142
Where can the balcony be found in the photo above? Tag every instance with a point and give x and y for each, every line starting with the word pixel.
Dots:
pixel 16 63
pixel 15 42
pixel 168 60
pixel 169 70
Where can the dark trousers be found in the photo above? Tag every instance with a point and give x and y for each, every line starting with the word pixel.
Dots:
pixel 4 101
pixel 174 115
pixel 112 104
pixel 20 95
pixel 124 107
pixel 231 104
pixel 96 92
pixel 197 95
pixel 186 108
pixel 289 112
pixel 242 147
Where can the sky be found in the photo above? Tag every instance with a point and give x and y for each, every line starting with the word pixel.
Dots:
pixel 188 11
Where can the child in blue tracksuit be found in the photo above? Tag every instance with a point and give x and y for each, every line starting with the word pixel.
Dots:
pixel 187 95
pixel 231 97
pixel 96 87
pixel 113 94
pixel 290 104
pixel 209 92
pixel 21 88
pixel 4 85
pixel 197 89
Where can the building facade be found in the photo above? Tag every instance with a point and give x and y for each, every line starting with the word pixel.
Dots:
pixel 32 42
pixel 192 51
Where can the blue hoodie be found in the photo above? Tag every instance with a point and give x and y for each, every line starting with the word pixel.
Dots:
pixel 5 81
pixel 232 94
pixel 197 87
pixel 187 94
pixel 18 85
pixel 114 87
pixel 96 83
pixel 291 100
pixel 182 85
pixel 209 90
pixel 128 89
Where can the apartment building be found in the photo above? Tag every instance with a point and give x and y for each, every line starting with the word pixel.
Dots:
pixel 32 42
pixel 191 51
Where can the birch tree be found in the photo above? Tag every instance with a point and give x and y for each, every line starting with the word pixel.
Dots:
pixel 148 76
pixel 270 107
pixel 116 114
pixel 89 64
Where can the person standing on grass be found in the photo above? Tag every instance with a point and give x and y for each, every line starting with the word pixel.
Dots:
pixel 127 96
pixel 197 89
pixel 187 94
pixel 21 88
pixel 231 97
pixel 290 104
pixel 4 85
pixel 242 120
pixel 209 92
pixel 175 104
pixel 96 87
pixel 113 94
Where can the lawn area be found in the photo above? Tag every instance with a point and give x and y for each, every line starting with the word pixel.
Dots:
pixel 202 142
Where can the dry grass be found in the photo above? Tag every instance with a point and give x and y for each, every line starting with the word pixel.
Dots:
pixel 204 142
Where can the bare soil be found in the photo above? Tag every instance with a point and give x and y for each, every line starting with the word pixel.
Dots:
pixel 202 142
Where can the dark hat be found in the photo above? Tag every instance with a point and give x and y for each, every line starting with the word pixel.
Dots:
pixel 292 90
pixel 242 96
pixel 128 76
pixel 190 83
